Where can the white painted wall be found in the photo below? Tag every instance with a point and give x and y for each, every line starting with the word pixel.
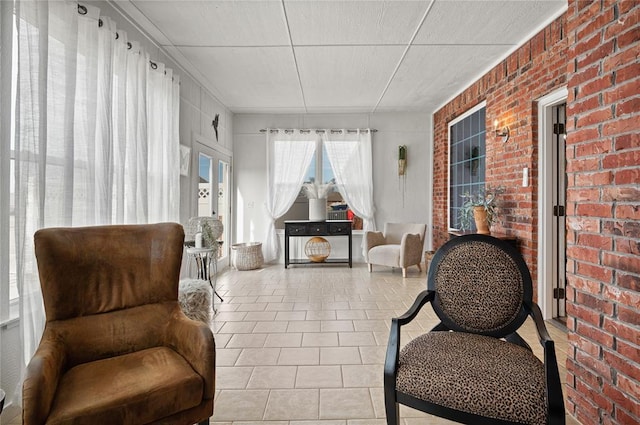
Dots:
pixel 394 129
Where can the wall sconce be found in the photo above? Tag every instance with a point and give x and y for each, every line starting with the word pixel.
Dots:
pixel 503 132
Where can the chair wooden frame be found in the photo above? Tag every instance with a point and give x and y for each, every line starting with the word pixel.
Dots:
pixel 393 398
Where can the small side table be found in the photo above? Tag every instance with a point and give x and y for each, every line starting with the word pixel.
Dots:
pixel 204 259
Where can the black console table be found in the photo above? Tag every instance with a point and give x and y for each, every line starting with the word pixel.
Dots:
pixel 295 228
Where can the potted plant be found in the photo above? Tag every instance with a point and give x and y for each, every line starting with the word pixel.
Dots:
pixel 482 207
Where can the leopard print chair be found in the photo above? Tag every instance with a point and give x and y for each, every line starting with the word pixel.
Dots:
pixel 473 367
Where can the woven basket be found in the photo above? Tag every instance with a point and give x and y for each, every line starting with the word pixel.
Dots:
pixel 247 256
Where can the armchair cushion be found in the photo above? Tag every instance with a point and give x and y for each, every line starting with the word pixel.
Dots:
pixel 462 371
pixel 139 387
pixel 399 246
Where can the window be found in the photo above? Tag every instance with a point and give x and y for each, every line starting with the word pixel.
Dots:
pixel 320 168
pixel 466 159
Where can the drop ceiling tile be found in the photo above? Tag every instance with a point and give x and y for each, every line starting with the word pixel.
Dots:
pixel 485 22
pixel 429 75
pixel 249 77
pixel 345 76
pixel 218 23
pixel 353 22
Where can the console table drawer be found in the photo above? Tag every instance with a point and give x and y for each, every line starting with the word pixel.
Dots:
pixel 297 229
pixel 316 229
pixel 339 228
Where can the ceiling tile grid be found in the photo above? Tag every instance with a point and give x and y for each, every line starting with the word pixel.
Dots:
pixel 297 56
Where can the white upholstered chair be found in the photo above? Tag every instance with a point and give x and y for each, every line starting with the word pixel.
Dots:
pixel 400 245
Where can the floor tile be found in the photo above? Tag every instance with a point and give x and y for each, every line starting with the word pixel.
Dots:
pixel 336 325
pixel 320 339
pixel 240 405
pixel 299 356
pixel 269 377
pixel 345 403
pixel 283 340
pixel 292 404
pixel 365 376
pixel 246 340
pixel 339 355
pixel 230 378
pixel 319 377
pixel 304 326
pixel 258 357
pixel 270 327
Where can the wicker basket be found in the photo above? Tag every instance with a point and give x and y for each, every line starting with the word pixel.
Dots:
pixel 247 256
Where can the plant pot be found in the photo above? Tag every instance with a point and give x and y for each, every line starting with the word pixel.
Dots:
pixel 318 209
pixel 480 217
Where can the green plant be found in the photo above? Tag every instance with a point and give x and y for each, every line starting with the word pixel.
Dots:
pixel 485 197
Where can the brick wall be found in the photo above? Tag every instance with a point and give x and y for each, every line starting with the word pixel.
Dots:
pixel 603 205
pixel 595 51
pixel 537 68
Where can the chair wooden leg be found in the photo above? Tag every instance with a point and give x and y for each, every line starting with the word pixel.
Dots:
pixel 404 272
pixel 205 422
pixel 392 410
pixel 370 267
pixel 419 267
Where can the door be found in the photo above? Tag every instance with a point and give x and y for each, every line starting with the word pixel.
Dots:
pixel 559 190
pixel 214 193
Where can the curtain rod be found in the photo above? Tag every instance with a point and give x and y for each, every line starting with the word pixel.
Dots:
pixel 318 131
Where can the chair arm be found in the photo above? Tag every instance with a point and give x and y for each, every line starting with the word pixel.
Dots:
pixel 556 413
pixel 194 341
pixel 372 239
pixel 410 250
pixel 393 347
pixel 42 376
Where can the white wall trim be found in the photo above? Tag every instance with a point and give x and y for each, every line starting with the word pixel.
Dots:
pixel 545 201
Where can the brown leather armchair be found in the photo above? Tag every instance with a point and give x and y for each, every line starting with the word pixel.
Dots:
pixel 116 347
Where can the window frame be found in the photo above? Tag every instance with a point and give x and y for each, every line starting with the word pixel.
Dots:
pixel 465 115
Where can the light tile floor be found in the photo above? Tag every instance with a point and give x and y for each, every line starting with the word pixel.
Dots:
pixel 306 345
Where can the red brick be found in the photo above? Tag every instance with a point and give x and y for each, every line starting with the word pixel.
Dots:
pixel 628 72
pixel 588 285
pixel 621 60
pixel 584 313
pixel 621 91
pixel 620 126
pixel 593 179
pixel 584 164
pixel 582 404
pixel 578 195
pixel 576 108
pixel 582 135
pixel 629 38
pixel 596 86
pixel 627 176
pixel 594 271
pixel 584 254
pixel 629 315
pixel 595 210
pixel 627 212
pixel 621 399
pixel 621 159
pixel 596 55
pixel 621 330
pixel 621 194
pixel 594 117
pixel 625 418
pixel 631 106
pixel 595 241
pixel 597 366
pixel 631 299
pixel 627 263
pixel 629 351
pixel 595 334
pixel 628 281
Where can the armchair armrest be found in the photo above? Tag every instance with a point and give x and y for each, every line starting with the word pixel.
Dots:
pixel 410 250
pixel 372 239
pixel 194 341
pixel 393 347
pixel 42 377
pixel 554 386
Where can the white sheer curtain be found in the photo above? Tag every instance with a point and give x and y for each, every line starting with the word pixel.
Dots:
pixel 351 161
pixel 96 135
pixel 289 154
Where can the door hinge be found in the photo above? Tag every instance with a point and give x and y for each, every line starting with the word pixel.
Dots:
pixel 558 293
pixel 558 210
pixel 558 129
